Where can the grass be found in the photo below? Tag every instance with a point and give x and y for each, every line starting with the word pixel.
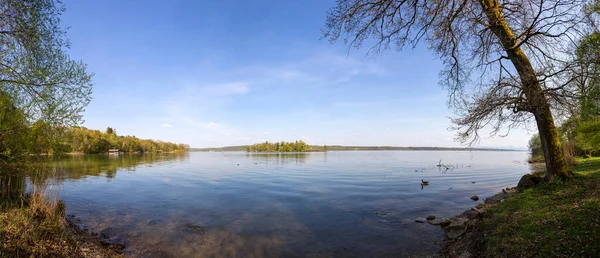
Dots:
pixel 34 225
pixel 558 220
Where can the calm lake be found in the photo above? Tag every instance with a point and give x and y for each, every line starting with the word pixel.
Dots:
pixel 229 204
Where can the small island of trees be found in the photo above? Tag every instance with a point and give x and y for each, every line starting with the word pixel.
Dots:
pixel 297 146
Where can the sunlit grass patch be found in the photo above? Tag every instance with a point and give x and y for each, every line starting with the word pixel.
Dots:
pixel 561 219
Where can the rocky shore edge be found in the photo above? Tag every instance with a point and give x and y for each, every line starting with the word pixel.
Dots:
pixel 93 244
pixel 464 237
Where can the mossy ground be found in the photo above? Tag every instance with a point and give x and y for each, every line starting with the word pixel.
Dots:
pixel 550 220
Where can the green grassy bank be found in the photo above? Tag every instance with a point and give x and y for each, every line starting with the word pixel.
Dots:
pixel 559 220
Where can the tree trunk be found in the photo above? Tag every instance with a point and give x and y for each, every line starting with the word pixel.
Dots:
pixel 535 102
pixel 556 165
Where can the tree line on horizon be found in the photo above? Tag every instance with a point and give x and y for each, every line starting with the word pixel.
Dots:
pixel 296 146
pixel 21 138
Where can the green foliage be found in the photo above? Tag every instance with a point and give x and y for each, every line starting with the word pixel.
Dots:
pixel 535 146
pixel 36 70
pixel 42 91
pixel 589 135
pixel 14 133
pixel 297 146
pixel 83 140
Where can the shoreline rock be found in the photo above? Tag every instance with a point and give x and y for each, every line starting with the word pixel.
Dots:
pixel 462 236
pixel 102 244
pixel 528 181
pixel 420 220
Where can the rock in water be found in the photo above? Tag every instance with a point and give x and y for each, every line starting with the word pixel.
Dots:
pixel 430 217
pixel 528 181
pixel 153 222
pixel 197 229
pixel 475 198
pixel 421 220
pixel 435 222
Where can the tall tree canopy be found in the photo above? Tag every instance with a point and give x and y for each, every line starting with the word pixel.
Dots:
pixel 38 80
pixel 505 61
pixel 35 69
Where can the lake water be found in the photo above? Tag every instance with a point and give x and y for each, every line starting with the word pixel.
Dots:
pixel 230 204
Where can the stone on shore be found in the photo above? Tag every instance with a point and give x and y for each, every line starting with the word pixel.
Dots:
pixel 430 217
pixel 456 228
pixel 471 214
pixel 445 222
pixel 475 198
pixel 528 181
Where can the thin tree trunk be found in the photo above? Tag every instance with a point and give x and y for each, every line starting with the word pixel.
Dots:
pixel 536 102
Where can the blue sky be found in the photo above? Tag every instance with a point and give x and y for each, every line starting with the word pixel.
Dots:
pixel 219 73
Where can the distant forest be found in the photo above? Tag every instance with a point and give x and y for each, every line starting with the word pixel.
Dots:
pixel 297 146
pixel 351 148
pixel 83 140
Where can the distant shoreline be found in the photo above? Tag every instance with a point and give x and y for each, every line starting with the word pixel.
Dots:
pixel 358 148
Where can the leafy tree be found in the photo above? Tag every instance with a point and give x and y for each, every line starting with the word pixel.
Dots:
pixel 14 133
pixel 535 145
pixel 110 130
pixel 504 60
pixel 38 76
pixel 40 133
pixel 35 68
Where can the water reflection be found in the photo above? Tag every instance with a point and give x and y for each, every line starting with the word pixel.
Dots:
pixel 276 204
pixel 53 170
pixel 103 165
pixel 279 158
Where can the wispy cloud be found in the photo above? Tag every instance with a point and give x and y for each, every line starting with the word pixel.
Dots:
pixel 233 88
pixel 166 125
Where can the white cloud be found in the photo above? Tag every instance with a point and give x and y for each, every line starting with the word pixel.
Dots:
pixel 166 125
pixel 267 133
pixel 291 74
pixel 212 125
pixel 233 88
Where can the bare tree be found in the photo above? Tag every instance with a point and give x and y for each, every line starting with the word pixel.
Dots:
pixel 500 57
